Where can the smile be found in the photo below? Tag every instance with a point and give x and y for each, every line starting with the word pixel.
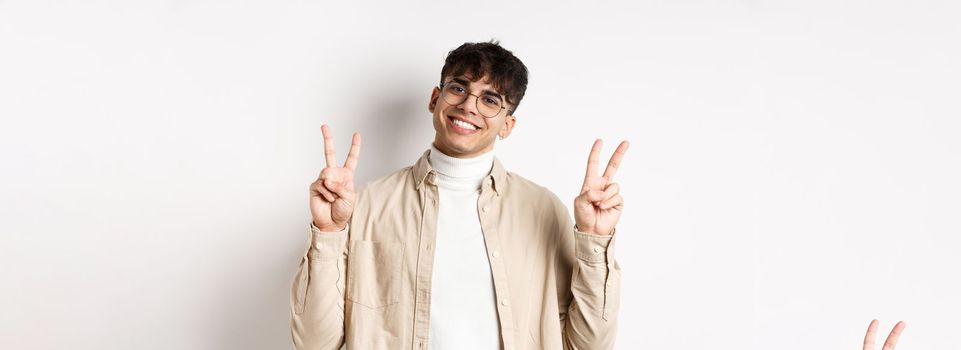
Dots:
pixel 462 126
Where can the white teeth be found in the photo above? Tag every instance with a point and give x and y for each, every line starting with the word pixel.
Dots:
pixel 464 125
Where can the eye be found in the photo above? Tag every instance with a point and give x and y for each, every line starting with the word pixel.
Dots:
pixel 492 101
pixel 457 89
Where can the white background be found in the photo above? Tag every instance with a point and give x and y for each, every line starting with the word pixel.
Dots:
pixel 793 171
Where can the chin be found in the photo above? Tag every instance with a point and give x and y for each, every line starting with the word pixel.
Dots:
pixel 459 148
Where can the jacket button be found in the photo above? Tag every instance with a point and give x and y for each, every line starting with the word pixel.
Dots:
pixel 495 254
pixel 597 249
pixel 504 302
pixel 485 208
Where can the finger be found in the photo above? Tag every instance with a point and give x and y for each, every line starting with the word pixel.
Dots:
pixel 329 146
pixel 344 204
pixel 593 196
pixel 345 195
pixel 323 181
pixel 616 202
pixel 870 335
pixel 323 191
pixel 592 161
pixel 354 153
pixel 327 194
pixel 339 188
pixel 612 190
pixel 892 339
pixel 615 161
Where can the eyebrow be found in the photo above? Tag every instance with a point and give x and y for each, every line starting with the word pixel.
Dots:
pixel 490 92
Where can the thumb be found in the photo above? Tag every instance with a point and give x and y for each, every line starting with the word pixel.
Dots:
pixel 593 196
pixel 339 188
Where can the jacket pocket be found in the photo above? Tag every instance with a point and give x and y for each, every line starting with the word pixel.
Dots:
pixel 373 273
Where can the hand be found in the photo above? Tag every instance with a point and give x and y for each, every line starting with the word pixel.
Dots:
pixel 598 207
pixel 332 195
pixel 890 342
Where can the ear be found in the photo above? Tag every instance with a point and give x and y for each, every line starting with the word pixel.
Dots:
pixel 508 126
pixel 434 94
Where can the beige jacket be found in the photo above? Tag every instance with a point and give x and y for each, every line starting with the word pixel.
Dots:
pixel 369 286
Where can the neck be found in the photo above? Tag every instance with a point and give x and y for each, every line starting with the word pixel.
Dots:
pixel 460 173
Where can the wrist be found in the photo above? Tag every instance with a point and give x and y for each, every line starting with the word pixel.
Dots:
pixel 593 231
pixel 330 228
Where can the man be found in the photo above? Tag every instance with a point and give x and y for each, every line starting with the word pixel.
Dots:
pixel 455 252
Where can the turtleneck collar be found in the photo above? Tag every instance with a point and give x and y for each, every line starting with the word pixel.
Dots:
pixel 460 173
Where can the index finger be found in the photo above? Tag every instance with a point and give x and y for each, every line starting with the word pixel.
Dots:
pixel 329 146
pixel 615 161
pixel 870 335
pixel 893 336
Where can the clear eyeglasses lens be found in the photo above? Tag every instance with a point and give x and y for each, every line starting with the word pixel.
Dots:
pixel 487 105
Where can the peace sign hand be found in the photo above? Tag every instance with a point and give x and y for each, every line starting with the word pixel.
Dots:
pixel 598 208
pixel 332 195
pixel 890 342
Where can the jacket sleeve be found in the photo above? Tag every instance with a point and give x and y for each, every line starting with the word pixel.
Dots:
pixel 317 293
pixel 589 308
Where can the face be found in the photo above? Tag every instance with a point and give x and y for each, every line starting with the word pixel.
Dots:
pixel 466 142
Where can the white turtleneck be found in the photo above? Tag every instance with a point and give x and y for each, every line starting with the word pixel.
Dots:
pixel 463 311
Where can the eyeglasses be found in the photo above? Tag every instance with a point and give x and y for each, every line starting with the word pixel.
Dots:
pixel 488 105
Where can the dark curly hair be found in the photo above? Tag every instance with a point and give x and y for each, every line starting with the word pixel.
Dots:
pixel 475 60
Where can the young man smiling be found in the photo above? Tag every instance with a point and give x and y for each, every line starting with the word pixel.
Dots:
pixel 455 252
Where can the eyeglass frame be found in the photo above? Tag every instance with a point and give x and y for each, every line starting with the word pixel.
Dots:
pixel 476 100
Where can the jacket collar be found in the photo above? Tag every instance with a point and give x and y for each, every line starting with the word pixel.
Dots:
pixel 423 172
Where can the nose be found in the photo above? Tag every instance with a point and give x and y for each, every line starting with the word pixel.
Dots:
pixel 468 105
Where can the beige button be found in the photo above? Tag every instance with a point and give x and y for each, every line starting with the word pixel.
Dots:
pixel 485 208
pixel 504 302
pixel 597 249
pixel 317 245
pixel 495 254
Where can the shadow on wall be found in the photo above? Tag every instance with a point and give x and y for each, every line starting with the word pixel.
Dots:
pixel 393 137
pixel 396 129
